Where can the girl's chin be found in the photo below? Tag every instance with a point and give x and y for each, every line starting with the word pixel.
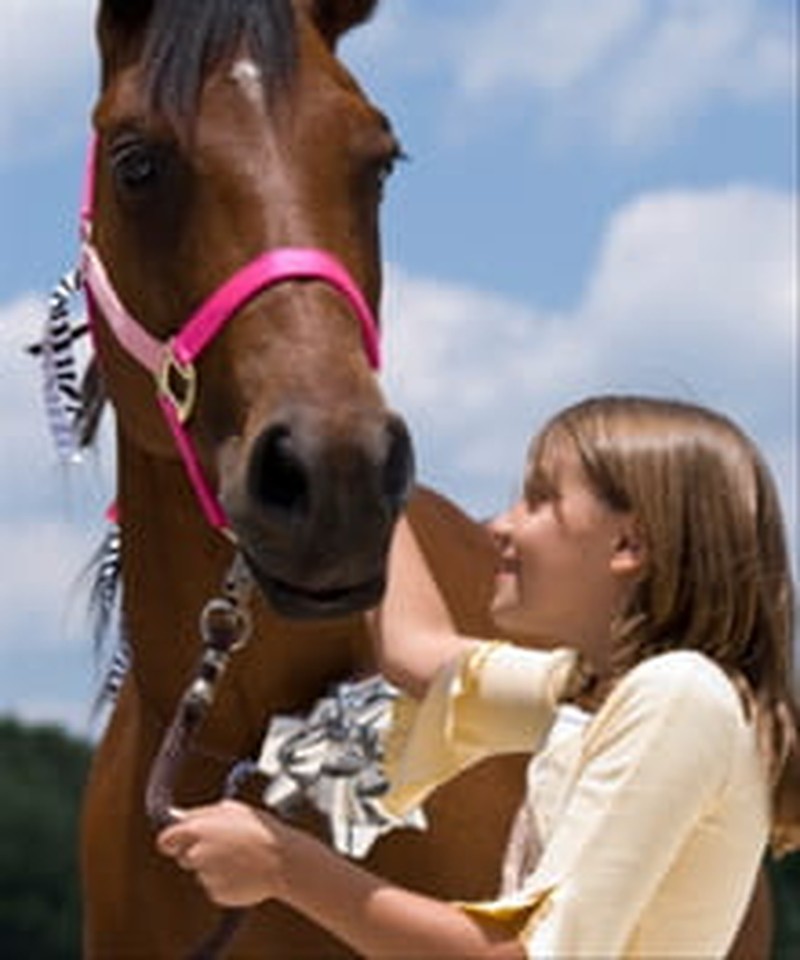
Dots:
pixel 516 623
pixel 506 615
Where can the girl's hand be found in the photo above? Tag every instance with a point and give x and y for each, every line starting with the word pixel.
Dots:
pixel 233 850
pixel 242 856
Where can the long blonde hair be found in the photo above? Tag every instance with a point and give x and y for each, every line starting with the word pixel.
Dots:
pixel 718 577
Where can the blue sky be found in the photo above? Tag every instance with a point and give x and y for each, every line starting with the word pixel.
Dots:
pixel 600 196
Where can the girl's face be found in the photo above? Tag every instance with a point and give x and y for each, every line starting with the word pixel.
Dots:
pixel 565 562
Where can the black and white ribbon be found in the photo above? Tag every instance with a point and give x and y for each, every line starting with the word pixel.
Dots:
pixel 60 379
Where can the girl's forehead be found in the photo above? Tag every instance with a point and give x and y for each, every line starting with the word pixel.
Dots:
pixel 553 461
pixel 551 453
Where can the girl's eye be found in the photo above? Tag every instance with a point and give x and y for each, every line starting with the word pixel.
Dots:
pixel 535 498
pixel 539 491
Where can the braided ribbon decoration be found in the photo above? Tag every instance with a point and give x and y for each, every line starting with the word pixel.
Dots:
pixel 60 380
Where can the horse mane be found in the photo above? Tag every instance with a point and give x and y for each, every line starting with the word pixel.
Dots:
pixel 187 38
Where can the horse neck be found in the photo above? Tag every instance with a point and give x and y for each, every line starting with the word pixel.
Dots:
pixel 173 563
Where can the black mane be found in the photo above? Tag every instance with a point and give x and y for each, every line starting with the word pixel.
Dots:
pixel 188 38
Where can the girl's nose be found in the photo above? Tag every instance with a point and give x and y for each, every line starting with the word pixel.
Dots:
pixel 500 529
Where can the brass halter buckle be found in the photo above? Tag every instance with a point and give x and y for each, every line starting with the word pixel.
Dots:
pixel 177 383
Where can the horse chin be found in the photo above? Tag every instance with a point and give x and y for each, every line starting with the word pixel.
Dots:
pixel 296 602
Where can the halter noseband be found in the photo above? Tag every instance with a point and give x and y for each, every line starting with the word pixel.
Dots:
pixel 171 362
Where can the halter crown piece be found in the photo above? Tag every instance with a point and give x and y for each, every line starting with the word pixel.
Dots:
pixel 172 362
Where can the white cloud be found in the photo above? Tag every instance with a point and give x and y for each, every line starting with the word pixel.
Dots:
pixel 471 370
pixel 50 516
pixel 709 268
pixel 40 592
pixel 631 73
pixel 550 45
pixel 691 55
pixel 22 422
pixel 692 294
pixel 46 59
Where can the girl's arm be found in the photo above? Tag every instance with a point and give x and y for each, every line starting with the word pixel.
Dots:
pixel 242 856
pixel 413 632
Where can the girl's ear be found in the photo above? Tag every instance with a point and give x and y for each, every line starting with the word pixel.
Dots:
pixel 629 553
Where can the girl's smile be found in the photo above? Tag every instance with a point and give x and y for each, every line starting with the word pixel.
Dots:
pixel 560 575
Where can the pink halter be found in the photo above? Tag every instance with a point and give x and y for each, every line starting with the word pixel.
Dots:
pixel 171 362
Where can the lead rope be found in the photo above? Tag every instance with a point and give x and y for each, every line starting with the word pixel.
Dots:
pixel 224 628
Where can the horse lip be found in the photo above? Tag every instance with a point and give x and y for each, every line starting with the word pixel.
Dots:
pixel 303 603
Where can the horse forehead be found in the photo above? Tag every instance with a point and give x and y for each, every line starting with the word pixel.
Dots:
pixel 248 76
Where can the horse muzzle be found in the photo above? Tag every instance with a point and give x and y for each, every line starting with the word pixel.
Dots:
pixel 315 504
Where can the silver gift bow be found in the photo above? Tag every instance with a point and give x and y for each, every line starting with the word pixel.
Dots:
pixel 333 758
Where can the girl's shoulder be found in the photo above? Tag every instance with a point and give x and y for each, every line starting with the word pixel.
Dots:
pixel 679 689
pixel 688 668
pixel 689 672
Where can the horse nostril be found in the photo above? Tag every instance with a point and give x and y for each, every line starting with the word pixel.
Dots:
pixel 277 477
pixel 398 469
pixel 293 473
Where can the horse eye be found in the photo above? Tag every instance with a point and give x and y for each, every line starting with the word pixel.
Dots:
pixel 388 165
pixel 134 163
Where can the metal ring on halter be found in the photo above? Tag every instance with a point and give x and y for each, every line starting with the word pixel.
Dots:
pixel 177 383
pixel 224 625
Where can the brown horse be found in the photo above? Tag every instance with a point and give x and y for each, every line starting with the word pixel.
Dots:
pixel 226 128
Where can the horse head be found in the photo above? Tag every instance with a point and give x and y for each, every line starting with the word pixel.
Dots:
pixel 228 134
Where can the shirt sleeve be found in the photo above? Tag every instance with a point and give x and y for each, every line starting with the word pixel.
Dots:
pixel 496 698
pixel 656 754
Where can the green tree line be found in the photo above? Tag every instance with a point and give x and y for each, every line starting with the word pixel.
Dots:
pixel 42 772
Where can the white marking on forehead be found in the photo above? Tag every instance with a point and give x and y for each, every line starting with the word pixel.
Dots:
pixel 247 74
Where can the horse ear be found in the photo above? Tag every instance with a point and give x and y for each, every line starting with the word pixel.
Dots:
pixel 335 17
pixel 125 14
pixel 119 24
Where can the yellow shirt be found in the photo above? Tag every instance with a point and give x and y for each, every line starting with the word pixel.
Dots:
pixel 652 815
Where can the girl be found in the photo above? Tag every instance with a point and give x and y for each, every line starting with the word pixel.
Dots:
pixel 647 555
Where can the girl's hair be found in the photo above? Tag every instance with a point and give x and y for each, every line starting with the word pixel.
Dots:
pixel 717 577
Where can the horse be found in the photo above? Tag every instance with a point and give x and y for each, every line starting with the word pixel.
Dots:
pixel 232 264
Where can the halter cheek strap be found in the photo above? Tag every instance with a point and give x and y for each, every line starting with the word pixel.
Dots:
pixel 171 362
pixel 268 269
